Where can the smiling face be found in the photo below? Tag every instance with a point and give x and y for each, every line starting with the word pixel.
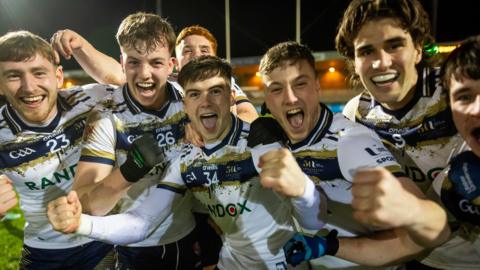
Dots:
pixel 385 60
pixel 31 86
pixel 190 47
pixel 292 96
pixel 207 103
pixel 465 104
pixel 147 74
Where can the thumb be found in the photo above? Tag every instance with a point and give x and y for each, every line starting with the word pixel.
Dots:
pixel 72 197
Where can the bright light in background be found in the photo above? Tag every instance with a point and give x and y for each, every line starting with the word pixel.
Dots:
pixel 331 69
pixel 68 84
pixel 258 74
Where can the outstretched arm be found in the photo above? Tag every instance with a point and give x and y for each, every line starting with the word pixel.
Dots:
pixel 101 67
pixel 65 216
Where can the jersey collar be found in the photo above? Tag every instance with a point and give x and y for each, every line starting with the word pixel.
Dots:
pixel 173 94
pixel 318 132
pixel 17 125
pixel 232 137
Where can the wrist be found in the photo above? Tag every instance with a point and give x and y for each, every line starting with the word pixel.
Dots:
pixel 85 225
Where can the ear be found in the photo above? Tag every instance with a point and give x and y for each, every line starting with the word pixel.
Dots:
pixel 419 54
pixel 176 64
pixel 171 64
pixel 59 76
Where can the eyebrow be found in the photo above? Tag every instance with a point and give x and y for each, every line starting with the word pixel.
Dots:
pixel 388 41
pixel 460 91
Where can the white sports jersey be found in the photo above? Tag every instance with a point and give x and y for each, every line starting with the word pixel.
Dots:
pixel 42 161
pixel 421 135
pixel 113 126
pixel 331 154
pixel 256 222
pixel 462 251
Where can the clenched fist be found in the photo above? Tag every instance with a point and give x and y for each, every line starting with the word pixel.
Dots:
pixel 65 42
pixel 64 213
pixel 281 173
pixel 8 197
pixel 380 200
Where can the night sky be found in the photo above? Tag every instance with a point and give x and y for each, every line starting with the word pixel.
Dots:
pixel 255 24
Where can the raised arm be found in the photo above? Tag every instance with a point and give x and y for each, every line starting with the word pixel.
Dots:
pixel 101 67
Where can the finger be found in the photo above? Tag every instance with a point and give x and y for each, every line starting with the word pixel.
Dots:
pixel 276 154
pixel 363 190
pixel 368 175
pixel 72 197
pixel 6 188
pixel 361 204
pixel 59 201
pixel 7 196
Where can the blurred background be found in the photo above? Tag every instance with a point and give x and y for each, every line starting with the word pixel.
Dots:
pixel 254 26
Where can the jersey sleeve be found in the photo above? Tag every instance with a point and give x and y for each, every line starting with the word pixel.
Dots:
pixel 99 138
pixel 172 179
pixel 99 92
pixel 134 225
pixel 360 147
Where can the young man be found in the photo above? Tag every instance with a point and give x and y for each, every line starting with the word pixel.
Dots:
pixel 194 41
pixel 459 184
pixel 358 174
pixel 226 176
pixel 146 104
pixel 403 99
pixel 40 136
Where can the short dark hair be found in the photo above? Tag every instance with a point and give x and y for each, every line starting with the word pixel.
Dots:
pixel 288 52
pixel 205 67
pixel 22 45
pixel 145 27
pixel 464 61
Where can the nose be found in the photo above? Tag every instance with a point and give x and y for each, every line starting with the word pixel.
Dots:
pixel 383 60
pixel 289 95
pixel 145 72
pixel 28 82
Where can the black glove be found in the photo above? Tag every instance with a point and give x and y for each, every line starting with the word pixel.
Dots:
pixel 304 248
pixel 143 155
pixel 461 190
pixel 265 130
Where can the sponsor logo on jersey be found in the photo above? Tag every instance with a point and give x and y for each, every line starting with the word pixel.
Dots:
pixel 230 209
pixel 57 178
pixel 467 207
pixel 21 152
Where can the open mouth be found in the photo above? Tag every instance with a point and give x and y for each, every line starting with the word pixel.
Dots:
pixel 476 133
pixel 209 120
pixel 145 87
pixel 32 100
pixel 295 117
pixel 384 79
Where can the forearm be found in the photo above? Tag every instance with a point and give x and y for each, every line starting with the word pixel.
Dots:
pixel 430 229
pixel 132 226
pixel 99 198
pixel 310 210
pixel 101 67
pixel 379 249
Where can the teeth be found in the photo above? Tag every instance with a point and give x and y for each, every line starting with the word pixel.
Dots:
pixel 294 111
pixel 145 85
pixel 207 115
pixel 384 77
pixel 32 99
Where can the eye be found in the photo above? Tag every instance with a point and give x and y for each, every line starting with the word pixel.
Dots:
pixel 205 51
pixel 464 98
pixel 132 63
pixel 40 74
pixel 365 52
pixel 275 90
pixel 300 84
pixel 13 76
pixel 216 91
pixel 186 51
pixel 192 94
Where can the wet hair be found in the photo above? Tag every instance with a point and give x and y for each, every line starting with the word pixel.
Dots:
pixel 463 62
pixel 144 32
pixel 203 68
pixel 409 14
pixel 23 45
pixel 199 31
pixel 289 52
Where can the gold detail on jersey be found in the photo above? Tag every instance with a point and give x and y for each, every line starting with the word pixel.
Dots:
pixel 97 153
pixel 317 154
